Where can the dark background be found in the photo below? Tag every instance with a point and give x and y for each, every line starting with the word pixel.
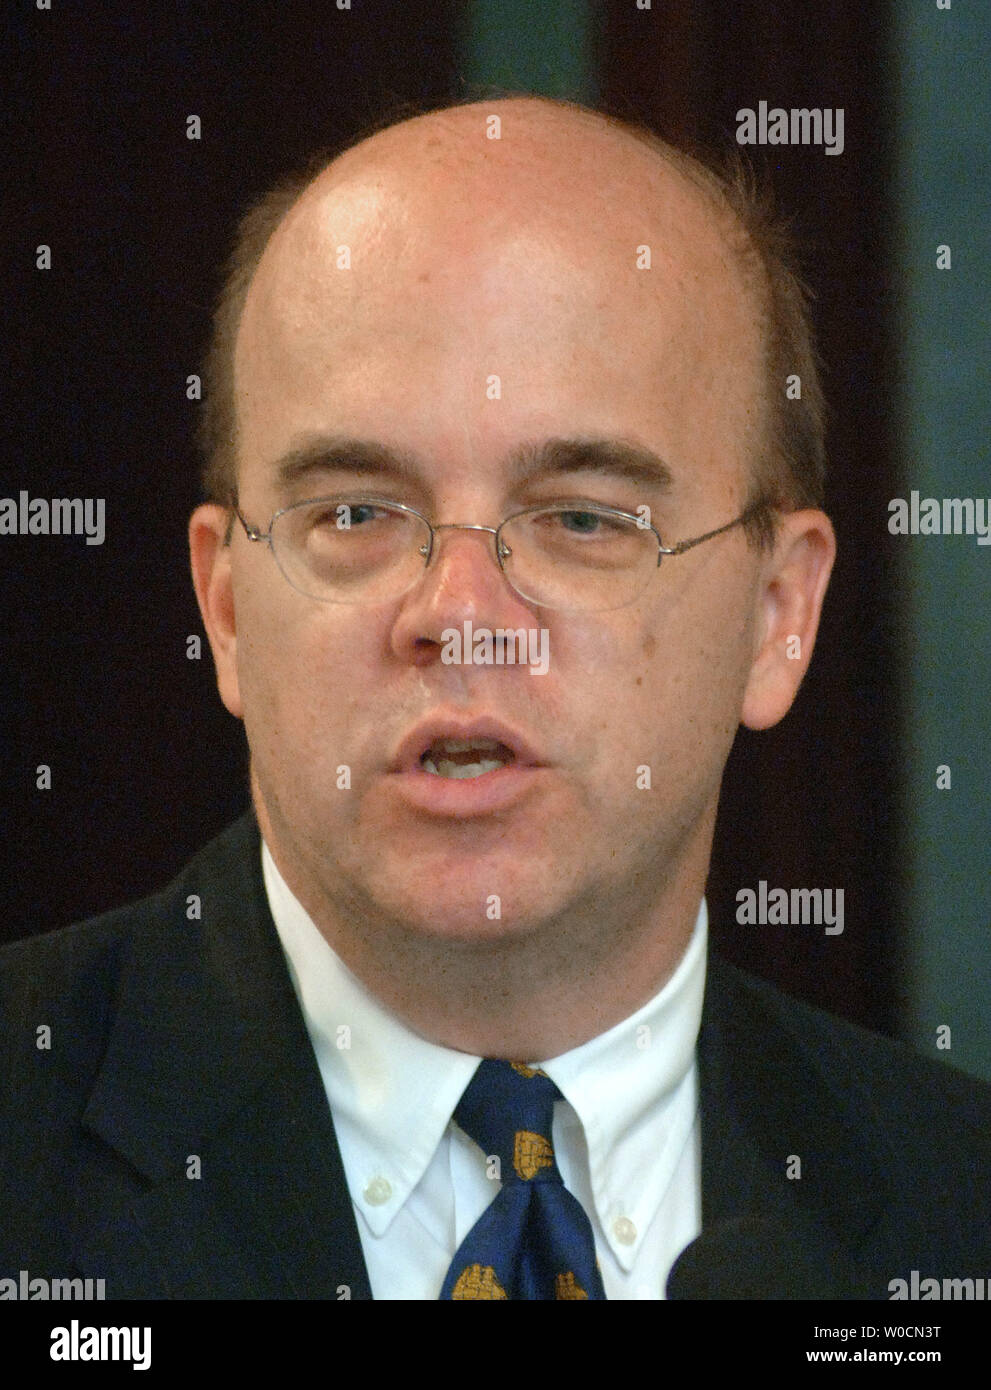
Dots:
pixel 146 763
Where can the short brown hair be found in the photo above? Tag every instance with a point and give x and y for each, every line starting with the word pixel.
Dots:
pixel 792 471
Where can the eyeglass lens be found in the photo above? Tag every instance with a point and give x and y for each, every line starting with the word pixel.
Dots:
pixel 354 551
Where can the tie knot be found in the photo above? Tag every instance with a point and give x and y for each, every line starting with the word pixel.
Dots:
pixel 507 1109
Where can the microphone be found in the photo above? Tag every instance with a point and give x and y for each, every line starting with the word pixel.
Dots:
pixel 756 1257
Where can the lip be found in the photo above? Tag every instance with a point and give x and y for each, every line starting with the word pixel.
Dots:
pixel 447 796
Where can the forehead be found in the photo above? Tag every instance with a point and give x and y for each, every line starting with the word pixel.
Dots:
pixel 560 249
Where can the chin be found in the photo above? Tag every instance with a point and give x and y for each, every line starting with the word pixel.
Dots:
pixel 463 925
pixel 470 907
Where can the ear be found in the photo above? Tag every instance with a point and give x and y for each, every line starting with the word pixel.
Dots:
pixel 210 560
pixel 793 586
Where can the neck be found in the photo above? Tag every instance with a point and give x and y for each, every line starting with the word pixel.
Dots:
pixel 512 1002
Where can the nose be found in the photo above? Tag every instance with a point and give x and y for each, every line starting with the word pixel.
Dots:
pixel 462 582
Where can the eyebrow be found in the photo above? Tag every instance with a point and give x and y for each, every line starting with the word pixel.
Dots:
pixel 341 454
pixel 619 458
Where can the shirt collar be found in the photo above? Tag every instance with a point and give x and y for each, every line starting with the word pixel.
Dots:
pixel 393 1092
pixel 635 1092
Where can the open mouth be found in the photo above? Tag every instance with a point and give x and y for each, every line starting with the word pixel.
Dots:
pixel 463 758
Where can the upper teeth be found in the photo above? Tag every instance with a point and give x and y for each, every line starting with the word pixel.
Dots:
pixel 464 745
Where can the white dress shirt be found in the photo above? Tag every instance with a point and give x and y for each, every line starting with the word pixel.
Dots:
pixel 626 1137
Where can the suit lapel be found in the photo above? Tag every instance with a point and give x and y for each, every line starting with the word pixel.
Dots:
pixel 765 1102
pixel 210 1090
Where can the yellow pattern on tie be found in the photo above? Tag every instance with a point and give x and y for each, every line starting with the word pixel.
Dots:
pixel 531 1152
pixel 479 1281
pixel 522 1069
pixel 566 1286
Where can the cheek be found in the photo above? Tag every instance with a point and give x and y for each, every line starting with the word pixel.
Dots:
pixel 297 670
pixel 666 688
pixel 620 689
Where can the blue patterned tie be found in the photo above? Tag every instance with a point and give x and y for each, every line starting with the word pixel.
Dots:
pixel 534 1241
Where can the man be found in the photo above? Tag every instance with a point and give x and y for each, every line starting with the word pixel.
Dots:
pixel 502 369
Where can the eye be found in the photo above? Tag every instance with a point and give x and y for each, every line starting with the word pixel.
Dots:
pixel 582 523
pixel 575 522
pixel 346 514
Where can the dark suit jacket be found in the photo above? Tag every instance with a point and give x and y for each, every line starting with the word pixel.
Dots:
pixel 174 1036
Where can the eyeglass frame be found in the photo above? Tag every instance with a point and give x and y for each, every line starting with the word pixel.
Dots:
pixel 761 504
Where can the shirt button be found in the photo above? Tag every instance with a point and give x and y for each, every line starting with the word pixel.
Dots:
pixel 378 1191
pixel 624 1230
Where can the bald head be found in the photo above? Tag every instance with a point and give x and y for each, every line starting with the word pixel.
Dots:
pixel 592 224
pixel 529 160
